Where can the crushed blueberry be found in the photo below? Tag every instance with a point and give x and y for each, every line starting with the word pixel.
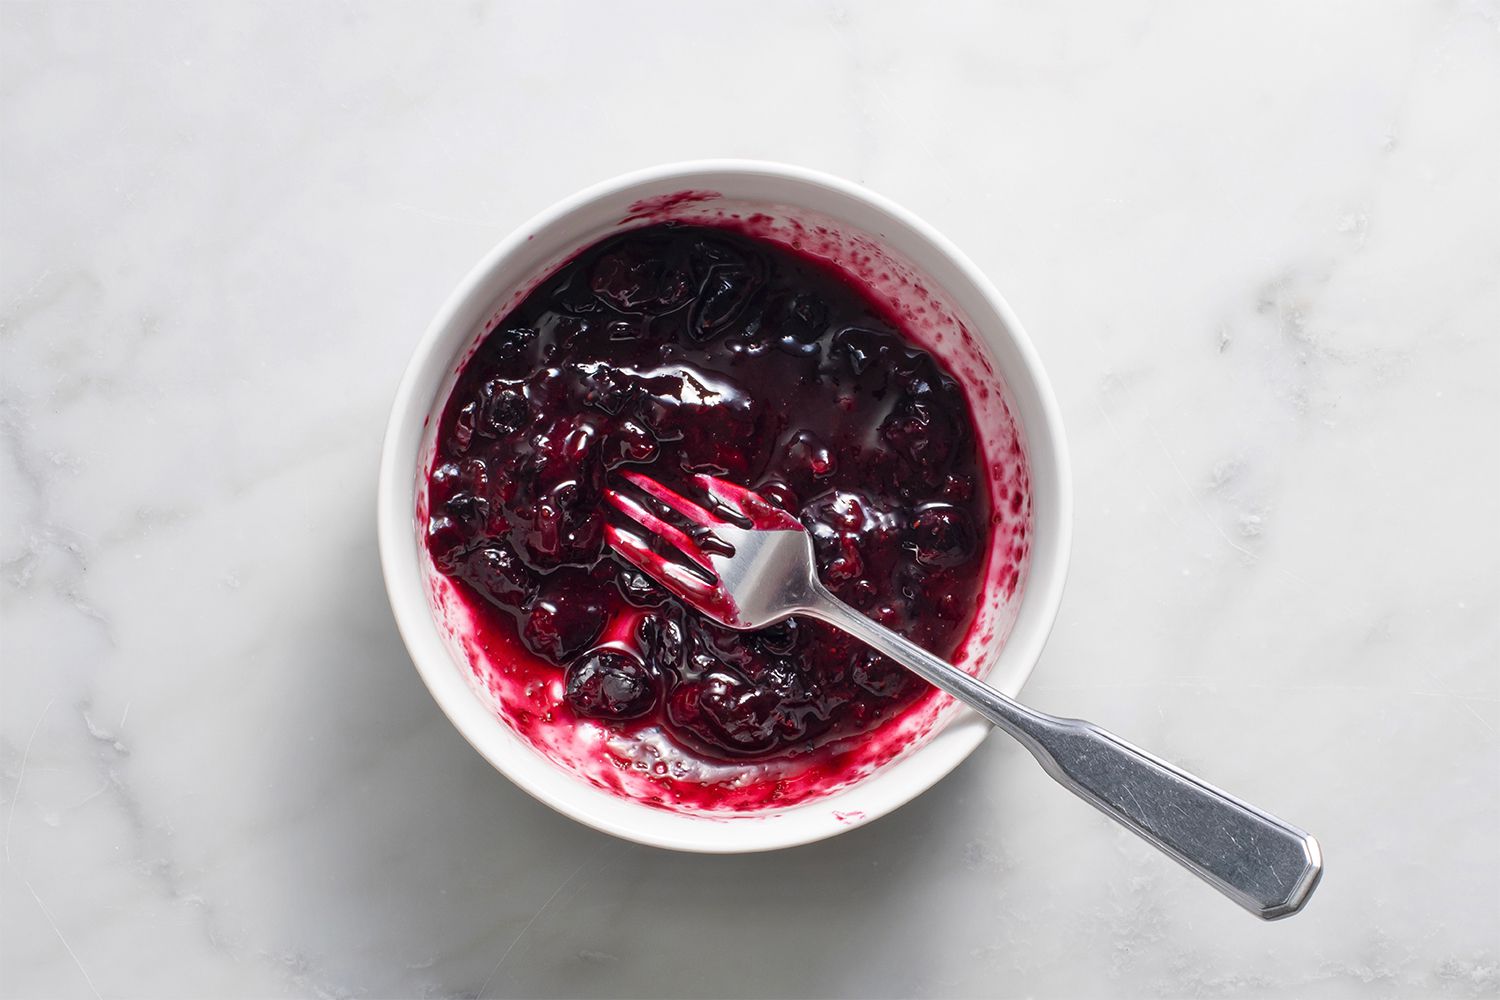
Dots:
pixel 674 349
pixel 610 684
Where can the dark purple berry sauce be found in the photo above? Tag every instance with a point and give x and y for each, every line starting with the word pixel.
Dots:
pixel 674 349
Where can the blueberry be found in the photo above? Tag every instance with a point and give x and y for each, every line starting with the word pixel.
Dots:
pixel 503 407
pixel 498 575
pixel 566 616
pixel 468 510
pixel 567 526
pixel 712 418
pixel 512 349
pixel 798 322
pixel 923 434
pixel 446 540
pixel 723 296
pixel 881 677
pixel 664 641
pixel 634 275
pixel 780 639
pixel 919 376
pixel 943 535
pixel 860 348
pixel 601 387
pixel 728 714
pixel 637 588
pixel 609 684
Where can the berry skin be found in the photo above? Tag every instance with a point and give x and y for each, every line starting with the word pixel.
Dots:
pixel 610 684
pixel 566 616
pixel 943 535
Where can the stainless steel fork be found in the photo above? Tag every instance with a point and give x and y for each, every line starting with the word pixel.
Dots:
pixel 749 565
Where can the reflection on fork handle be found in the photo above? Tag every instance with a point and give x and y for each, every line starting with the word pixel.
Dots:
pixel 1262 863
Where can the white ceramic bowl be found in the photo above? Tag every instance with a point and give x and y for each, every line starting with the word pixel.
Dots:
pixel 778 196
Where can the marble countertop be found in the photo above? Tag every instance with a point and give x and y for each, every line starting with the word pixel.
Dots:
pixel 1257 247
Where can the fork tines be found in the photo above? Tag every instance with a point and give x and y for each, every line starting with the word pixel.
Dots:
pixel 695 580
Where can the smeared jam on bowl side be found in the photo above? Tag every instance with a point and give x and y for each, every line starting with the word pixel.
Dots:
pixel 667 351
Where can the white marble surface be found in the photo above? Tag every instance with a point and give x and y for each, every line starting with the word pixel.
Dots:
pixel 1257 245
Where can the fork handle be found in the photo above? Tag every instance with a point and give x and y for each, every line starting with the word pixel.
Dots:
pixel 1262 863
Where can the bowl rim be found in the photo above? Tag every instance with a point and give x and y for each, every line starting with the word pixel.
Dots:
pixel 564 792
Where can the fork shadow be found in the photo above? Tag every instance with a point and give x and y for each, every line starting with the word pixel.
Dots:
pixel 428 873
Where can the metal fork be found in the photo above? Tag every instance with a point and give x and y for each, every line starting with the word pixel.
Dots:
pixel 750 565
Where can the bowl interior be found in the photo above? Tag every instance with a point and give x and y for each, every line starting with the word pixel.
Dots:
pixel 946 307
